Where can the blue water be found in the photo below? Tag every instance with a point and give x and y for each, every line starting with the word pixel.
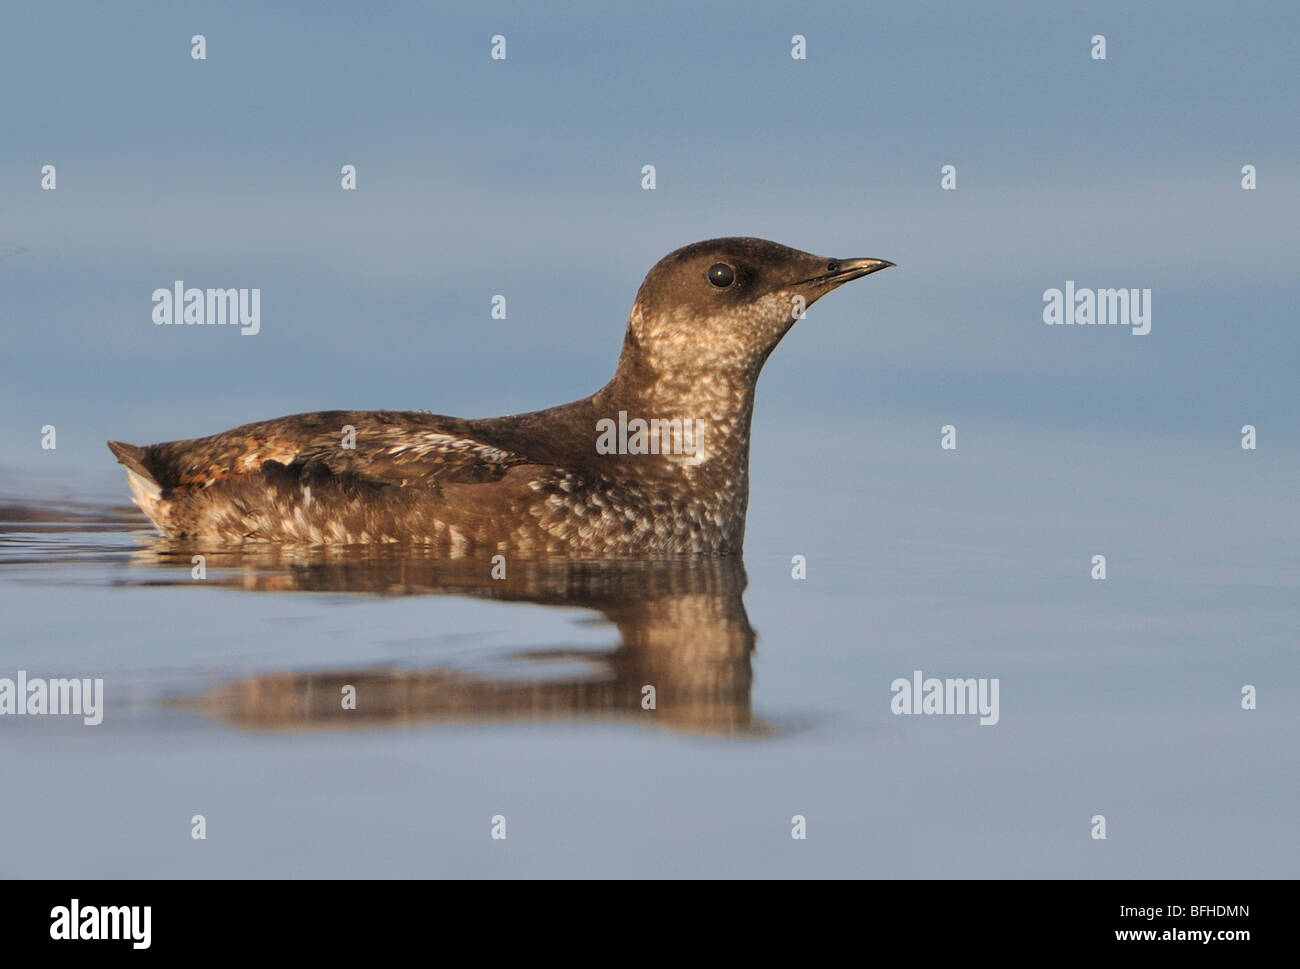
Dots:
pixel 521 699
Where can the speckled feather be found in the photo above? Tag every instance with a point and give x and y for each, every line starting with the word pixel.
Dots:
pixel 525 484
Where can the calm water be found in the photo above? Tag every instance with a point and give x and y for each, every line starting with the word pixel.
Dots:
pixel 522 697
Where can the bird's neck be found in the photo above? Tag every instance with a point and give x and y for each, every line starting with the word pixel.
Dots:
pixel 718 406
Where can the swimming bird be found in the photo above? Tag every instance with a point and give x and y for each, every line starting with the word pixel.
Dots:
pixel 654 463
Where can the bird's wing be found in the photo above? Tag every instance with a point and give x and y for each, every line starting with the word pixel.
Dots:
pixel 390 447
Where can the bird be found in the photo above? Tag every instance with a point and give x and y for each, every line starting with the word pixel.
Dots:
pixel 655 463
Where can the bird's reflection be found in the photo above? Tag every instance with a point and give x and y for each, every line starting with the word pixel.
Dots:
pixel 683 660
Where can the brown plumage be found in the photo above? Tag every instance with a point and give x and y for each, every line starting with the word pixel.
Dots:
pixel 705 320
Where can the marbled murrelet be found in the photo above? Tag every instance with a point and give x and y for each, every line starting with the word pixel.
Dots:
pixel 705 320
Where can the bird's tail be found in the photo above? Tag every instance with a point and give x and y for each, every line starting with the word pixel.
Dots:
pixel 133 458
pixel 146 489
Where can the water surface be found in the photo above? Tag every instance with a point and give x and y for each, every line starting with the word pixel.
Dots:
pixel 523 697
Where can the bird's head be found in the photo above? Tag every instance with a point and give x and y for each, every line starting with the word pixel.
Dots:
pixel 723 305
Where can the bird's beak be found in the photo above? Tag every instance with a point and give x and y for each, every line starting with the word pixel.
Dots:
pixel 856 268
pixel 847 269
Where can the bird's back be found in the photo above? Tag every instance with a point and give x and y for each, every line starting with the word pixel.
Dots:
pixel 528 484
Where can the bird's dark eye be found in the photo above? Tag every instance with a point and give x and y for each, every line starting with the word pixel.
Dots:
pixel 721 275
pixel 832 266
